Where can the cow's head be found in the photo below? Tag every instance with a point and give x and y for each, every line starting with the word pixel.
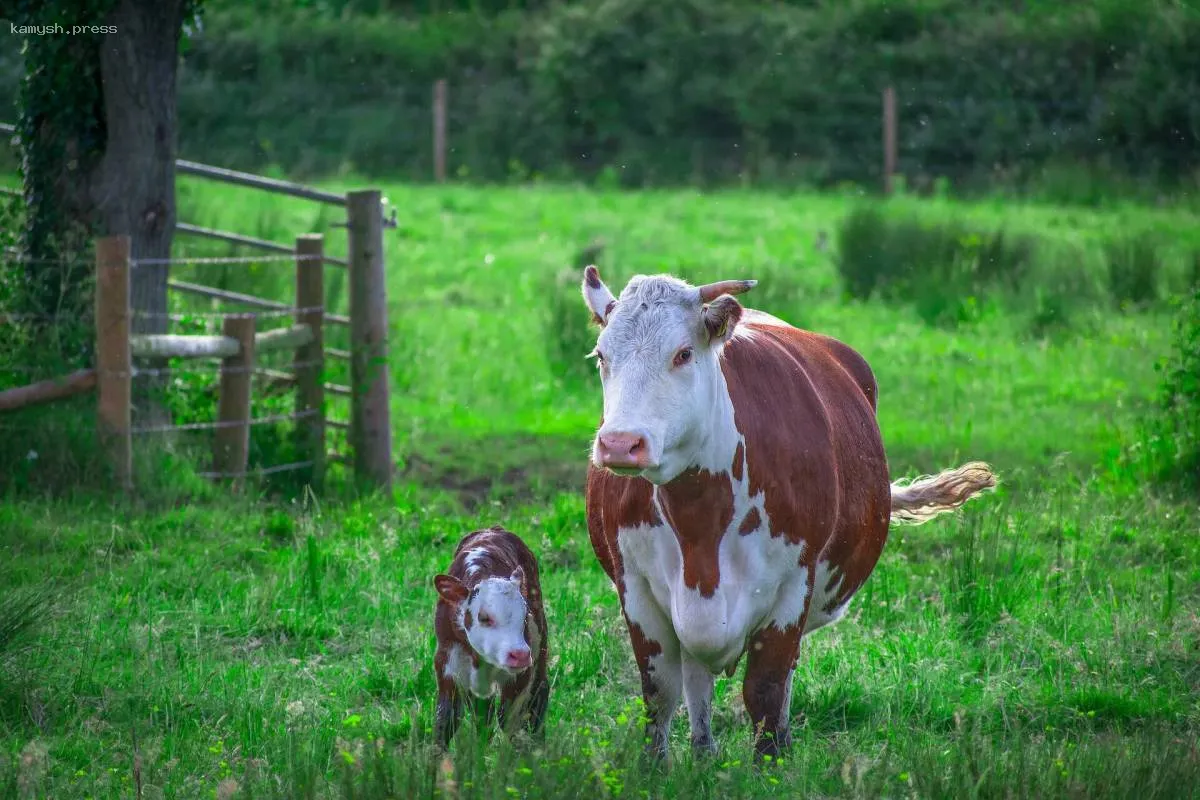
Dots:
pixel 493 616
pixel 658 355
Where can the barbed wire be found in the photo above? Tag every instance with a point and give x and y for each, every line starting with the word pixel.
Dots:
pixel 206 369
pixel 258 472
pixel 268 313
pixel 174 316
pixel 155 262
pixel 220 425
pixel 19 258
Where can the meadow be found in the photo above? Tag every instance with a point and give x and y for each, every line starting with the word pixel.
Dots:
pixel 1043 642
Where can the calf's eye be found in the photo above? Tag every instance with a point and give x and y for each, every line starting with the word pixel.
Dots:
pixel 485 619
pixel 684 356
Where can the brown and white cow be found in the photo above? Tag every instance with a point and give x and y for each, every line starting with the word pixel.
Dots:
pixel 738 492
pixel 491 633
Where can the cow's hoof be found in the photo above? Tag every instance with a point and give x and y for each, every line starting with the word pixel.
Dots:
pixel 656 756
pixel 705 747
pixel 770 747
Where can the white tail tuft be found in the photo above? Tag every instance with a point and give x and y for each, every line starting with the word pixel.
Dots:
pixel 922 499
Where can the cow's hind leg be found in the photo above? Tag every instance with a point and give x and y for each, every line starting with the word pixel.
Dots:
pixel 767 688
pixel 698 691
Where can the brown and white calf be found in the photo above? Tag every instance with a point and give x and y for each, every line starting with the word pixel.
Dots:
pixel 491 633
pixel 738 492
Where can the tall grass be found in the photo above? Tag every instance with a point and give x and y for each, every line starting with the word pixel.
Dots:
pixel 953 270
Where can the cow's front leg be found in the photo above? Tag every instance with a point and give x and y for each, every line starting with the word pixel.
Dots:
pixel 698 691
pixel 767 688
pixel 658 663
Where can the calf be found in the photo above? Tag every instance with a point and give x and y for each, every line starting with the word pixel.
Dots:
pixel 491 632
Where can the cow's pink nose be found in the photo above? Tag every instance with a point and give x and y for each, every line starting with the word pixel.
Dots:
pixel 518 659
pixel 622 450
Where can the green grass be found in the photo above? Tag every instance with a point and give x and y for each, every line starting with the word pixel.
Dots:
pixel 1042 643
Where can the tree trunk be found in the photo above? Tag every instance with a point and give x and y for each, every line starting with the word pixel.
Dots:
pixel 134 186
pixel 98 131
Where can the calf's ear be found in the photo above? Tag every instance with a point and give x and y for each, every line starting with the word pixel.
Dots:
pixel 721 317
pixel 518 575
pixel 451 589
pixel 599 299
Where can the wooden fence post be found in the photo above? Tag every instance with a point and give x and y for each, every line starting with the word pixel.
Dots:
pixel 309 361
pixel 114 364
pixel 231 445
pixel 889 139
pixel 439 130
pixel 370 418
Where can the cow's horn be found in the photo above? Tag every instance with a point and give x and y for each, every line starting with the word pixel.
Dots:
pixel 711 291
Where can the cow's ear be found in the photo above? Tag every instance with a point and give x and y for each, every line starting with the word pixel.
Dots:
pixel 721 317
pixel 518 575
pixel 599 299
pixel 451 589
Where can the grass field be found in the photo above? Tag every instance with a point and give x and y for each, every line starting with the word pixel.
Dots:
pixel 1042 643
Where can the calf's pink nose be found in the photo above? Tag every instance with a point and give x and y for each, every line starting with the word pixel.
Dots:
pixel 622 450
pixel 518 659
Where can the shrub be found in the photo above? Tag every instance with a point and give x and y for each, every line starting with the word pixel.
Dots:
pixel 945 268
pixel 862 246
pixel 1173 438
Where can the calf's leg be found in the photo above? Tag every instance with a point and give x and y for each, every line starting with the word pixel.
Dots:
pixel 448 714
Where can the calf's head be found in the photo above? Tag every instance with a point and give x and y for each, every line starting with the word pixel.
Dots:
pixel 493 616
pixel 658 355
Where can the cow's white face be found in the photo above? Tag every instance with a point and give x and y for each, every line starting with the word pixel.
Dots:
pixel 658 356
pixel 493 616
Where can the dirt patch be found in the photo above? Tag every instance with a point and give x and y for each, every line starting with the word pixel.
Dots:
pixel 507 469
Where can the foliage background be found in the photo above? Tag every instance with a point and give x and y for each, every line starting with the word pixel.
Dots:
pixel 638 92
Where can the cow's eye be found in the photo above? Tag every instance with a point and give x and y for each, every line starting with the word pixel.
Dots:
pixel 684 356
pixel 485 619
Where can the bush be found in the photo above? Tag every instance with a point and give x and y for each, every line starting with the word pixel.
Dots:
pixel 945 268
pixel 1135 267
pixel 1173 439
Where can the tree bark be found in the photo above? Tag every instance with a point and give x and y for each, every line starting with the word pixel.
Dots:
pixel 134 186
pixel 98 136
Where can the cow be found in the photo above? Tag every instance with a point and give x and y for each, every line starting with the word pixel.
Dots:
pixel 491 633
pixel 737 493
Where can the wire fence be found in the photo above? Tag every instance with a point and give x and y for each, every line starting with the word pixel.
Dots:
pixel 204 373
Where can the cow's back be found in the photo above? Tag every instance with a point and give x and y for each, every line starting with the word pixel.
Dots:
pixel 805 405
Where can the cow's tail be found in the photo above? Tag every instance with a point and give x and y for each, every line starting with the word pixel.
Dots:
pixel 921 499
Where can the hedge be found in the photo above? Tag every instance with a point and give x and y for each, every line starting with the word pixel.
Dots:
pixel 700 91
